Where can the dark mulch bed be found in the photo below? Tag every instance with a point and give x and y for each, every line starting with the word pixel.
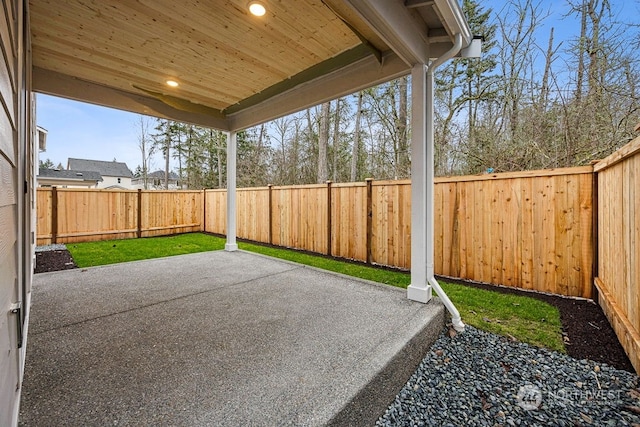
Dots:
pixel 587 332
pixel 54 261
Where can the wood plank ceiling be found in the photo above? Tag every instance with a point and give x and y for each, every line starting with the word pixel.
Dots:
pixel 224 59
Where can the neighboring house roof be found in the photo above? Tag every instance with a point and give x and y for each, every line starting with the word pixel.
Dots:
pixel 160 174
pixel 156 175
pixel 117 169
pixel 71 175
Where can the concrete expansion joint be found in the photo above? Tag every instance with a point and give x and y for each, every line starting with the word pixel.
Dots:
pixel 104 316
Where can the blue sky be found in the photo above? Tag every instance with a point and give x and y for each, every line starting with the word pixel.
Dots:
pixel 88 131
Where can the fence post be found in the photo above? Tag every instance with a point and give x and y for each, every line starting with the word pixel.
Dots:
pixel 369 182
pixel 594 230
pixel 270 217
pixel 139 215
pixel 54 215
pixel 204 210
pixel 329 218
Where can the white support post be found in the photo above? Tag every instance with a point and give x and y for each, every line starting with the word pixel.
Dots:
pixel 231 244
pixel 419 289
pixel 430 178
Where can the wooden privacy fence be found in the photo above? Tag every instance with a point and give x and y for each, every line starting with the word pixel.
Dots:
pixel 618 276
pixel 81 215
pixel 532 230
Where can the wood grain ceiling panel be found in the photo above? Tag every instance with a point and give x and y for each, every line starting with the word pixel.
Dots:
pixel 218 52
pixel 87 70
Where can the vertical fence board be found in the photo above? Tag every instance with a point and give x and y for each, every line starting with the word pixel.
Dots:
pixel 466 231
pixel 512 259
pixel 527 234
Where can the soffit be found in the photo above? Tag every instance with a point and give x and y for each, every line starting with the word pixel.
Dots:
pixel 230 65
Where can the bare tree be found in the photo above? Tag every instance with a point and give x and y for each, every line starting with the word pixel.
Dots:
pixel 145 145
pixel 404 164
pixel 355 153
pixel 323 142
pixel 336 143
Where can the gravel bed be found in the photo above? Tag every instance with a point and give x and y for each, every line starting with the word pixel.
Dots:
pixel 477 378
pixel 55 247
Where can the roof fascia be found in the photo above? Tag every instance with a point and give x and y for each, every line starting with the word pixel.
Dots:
pixel 393 23
pixel 64 181
pixel 453 17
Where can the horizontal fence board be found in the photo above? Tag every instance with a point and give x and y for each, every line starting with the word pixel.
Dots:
pixel 517 175
pixel 626 331
pixel 629 150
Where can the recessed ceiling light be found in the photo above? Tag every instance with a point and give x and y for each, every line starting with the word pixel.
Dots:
pixel 172 83
pixel 257 8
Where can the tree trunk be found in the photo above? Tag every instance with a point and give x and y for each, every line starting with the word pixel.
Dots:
pixel 147 148
pixel 167 157
pixel 581 49
pixel 323 141
pixel 404 165
pixel 594 46
pixel 336 142
pixel 544 92
pixel 356 141
pixel 219 153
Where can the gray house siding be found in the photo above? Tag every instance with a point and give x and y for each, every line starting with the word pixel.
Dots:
pixel 16 201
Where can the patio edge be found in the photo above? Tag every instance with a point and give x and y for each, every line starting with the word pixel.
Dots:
pixel 374 398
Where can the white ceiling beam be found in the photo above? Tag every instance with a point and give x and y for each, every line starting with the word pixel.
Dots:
pixel 394 24
pixel 360 75
pixel 65 86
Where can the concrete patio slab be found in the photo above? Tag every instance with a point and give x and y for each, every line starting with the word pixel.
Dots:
pixel 221 339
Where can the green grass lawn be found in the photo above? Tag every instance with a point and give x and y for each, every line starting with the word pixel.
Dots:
pixel 523 318
pixel 105 252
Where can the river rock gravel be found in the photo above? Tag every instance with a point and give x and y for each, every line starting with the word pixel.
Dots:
pixel 476 378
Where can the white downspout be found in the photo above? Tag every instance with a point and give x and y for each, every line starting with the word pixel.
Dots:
pixel 455 314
